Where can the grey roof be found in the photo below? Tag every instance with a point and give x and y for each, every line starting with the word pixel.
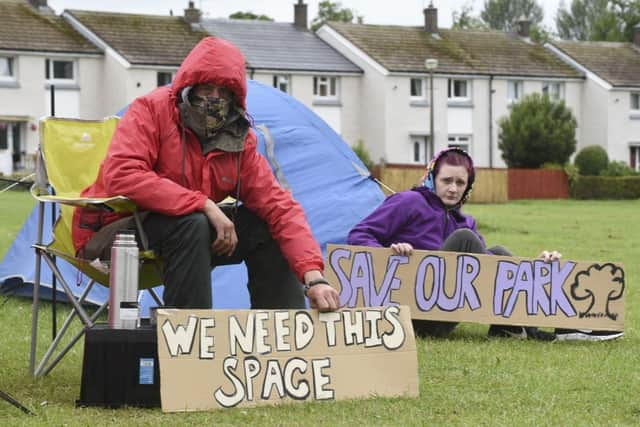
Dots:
pixel 23 27
pixel 617 63
pixel 279 46
pixel 404 49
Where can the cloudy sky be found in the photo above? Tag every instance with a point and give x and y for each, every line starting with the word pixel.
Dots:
pixel 393 12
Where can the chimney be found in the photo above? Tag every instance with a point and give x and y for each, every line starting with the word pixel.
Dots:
pixel 192 15
pixel 523 26
pixel 38 3
pixel 636 34
pixel 300 15
pixel 431 19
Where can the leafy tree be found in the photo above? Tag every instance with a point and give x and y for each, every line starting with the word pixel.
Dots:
pixel 538 131
pixel 504 14
pixel 250 16
pixel 333 11
pixel 598 20
pixel 464 20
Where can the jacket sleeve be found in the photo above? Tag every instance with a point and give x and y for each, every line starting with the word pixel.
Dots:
pixel 379 228
pixel 262 194
pixel 128 169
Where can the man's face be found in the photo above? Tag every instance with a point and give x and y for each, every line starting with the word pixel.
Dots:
pixel 208 90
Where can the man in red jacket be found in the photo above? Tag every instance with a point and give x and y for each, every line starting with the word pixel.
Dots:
pixel 177 152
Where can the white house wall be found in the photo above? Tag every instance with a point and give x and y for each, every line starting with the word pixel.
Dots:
pixel 594 123
pixel 623 130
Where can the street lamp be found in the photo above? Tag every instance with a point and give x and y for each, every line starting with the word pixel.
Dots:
pixel 430 64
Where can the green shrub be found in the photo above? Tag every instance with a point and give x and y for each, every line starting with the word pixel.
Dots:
pixel 362 152
pixel 591 160
pixel 618 168
pixel 606 187
pixel 537 131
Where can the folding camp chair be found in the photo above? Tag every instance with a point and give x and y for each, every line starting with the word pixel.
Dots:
pixel 69 157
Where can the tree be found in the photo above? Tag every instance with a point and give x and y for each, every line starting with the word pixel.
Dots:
pixel 538 131
pixel 333 11
pixel 598 20
pixel 504 14
pixel 250 16
pixel 464 20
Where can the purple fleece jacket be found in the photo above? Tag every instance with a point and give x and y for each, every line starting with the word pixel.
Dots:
pixel 417 217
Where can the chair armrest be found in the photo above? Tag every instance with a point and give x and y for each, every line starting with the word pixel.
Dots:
pixel 114 204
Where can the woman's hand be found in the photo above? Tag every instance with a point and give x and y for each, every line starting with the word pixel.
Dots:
pixel 404 249
pixel 226 238
pixel 548 256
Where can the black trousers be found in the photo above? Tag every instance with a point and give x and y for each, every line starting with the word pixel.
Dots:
pixel 462 240
pixel 184 244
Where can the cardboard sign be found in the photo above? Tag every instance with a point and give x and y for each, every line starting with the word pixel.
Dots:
pixel 221 358
pixel 481 288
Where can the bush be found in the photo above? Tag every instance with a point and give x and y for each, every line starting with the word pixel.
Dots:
pixel 362 152
pixel 591 160
pixel 537 131
pixel 617 168
pixel 606 187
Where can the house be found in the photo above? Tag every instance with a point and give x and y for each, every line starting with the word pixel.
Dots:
pixel 40 51
pixel 290 57
pixel 479 74
pixel 610 94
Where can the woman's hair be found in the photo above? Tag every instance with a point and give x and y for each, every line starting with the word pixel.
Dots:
pixel 455 158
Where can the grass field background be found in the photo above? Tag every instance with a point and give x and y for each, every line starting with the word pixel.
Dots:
pixel 465 379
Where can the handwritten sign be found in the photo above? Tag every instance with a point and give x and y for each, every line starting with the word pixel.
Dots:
pixel 222 359
pixel 481 288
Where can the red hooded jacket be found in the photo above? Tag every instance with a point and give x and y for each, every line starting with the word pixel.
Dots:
pixel 150 163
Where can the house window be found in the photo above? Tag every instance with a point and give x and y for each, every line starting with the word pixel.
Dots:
pixel 281 82
pixel 417 89
pixel 458 90
pixel 554 90
pixel 514 91
pixel 635 102
pixel 422 149
pixel 7 72
pixel 165 78
pixel 59 70
pixel 463 142
pixel 325 87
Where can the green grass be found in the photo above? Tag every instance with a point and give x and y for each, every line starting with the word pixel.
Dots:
pixel 465 379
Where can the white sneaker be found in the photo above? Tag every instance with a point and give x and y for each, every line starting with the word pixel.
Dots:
pixel 587 335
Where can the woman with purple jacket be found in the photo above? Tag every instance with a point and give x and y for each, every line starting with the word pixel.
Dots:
pixel 429 218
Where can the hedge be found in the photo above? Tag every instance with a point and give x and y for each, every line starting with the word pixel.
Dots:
pixel 606 187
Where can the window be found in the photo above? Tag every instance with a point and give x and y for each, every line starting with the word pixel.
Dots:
pixel 417 89
pixel 281 82
pixel 58 69
pixel 514 91
pixel 463 142
pixel 635 101
pixel 458 90
pixel 325 87
pixel 634 157
pixel 7 71
pixel 422 149
pixel 555 90
pixel 165 77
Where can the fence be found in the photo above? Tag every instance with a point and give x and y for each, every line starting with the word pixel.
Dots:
pixel 492 185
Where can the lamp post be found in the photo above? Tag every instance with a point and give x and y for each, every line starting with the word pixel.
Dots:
pixel 430 64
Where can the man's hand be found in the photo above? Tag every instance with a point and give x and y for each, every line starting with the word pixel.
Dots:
pixel 323 297
pixel 404 249
pixel 226 238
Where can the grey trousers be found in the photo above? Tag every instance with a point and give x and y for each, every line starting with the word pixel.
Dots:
pixel 462 240
pixel 184 244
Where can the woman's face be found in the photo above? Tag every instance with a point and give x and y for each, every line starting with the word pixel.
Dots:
pixel 451 182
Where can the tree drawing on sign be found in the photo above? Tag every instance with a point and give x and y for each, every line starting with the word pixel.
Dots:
pixel 599 285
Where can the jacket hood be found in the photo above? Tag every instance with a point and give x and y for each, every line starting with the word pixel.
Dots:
pixel 217 61
pixel 428 179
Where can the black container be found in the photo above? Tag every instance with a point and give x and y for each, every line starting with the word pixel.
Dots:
pixel 120 367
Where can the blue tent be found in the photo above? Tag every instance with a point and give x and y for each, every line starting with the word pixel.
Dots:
pixel 307 157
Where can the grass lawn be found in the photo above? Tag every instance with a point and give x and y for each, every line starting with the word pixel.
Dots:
pixel 465 379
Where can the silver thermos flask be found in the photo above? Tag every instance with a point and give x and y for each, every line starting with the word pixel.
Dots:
pixel 123 283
